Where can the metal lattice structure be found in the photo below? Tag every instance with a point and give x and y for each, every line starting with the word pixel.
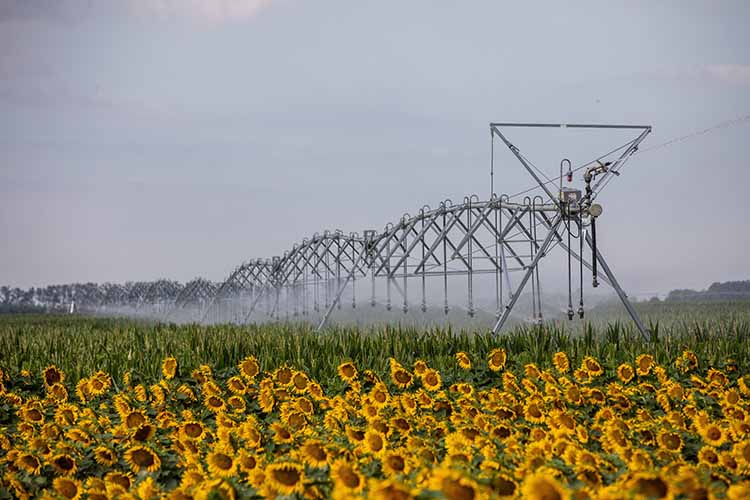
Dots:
pixel 477 256
pixel 410 262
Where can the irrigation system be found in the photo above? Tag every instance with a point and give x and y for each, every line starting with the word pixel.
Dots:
pixel 427 260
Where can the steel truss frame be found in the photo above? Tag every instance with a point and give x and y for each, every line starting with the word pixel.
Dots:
pixel 497 237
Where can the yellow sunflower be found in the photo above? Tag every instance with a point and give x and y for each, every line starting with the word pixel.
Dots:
pixel 58 392
pixel 395 463
pixel 119 479
pixel 135 419
pixel 52 375
pixel 379 395
pixel 215 489
pixel 374 442
pixel 388 489
pixel 169 367
pixel 67 487
pixel 283 375
pixel 300 381
pixel 503 485
pixel 214 403
pixel 29 463
pixel 643 364
pixel 648 485
pixel 147 488
pixel 541 486
pixel 66 414
pixel 625 373
pixel 401 377
pixel 464 362
pixel 345 476
pixel 220 463
pixel 741 452
pixel 347 371
pixel 247 462
pixel 142 458
pixel 237 403
pixel 314 453
pixel 192 430
pixel 143 433
pixel 285 477
pixel 236 385
pixel 281 434
pixel 304 405
pixel 591 366
pixel 249 367
pixel 186 391
pixel 497 359
pixel 712 434
pixel 671 441
pixel 266 401
pixel 105 456
pixel 561 362
pixel 64 464
pixel 453 485
pixel 431 380
pixel 32 412
pixel 534 411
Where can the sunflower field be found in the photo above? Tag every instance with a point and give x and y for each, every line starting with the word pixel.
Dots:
pixel 485 422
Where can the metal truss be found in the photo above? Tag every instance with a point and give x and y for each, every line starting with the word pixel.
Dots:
pixel 440 254
pixel 191 300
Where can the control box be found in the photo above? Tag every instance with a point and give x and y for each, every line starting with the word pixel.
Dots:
pixel 571 201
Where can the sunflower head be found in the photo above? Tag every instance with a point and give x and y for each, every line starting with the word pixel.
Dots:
pixel 561 362
pixel 395 463
pixel 625 373
pixel 63 464
pixel 300 382
pixel 249 367
pixel 236 385
pixel 648 485
pixel 52 375
pixel 453 485
pixel 347 371
pixel 29 463
pixel 497 359
pixel 169 368
pixel 374 442
pixel 105 456
pixel 401 377
pixel 314 453
pixel 346 477
pixel 643 364
pixel 221 463
pixel 286 478
pixel 542 486
pixel 142 458
pixel 67 487
pixel 214 403
pixel 463 360
pixel 431 380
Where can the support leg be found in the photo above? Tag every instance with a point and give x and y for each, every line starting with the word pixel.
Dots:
pixel 260 294
pixel 340 291
pixel 620 293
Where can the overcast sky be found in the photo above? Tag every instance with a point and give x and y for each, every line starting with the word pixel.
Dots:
pixel 179 138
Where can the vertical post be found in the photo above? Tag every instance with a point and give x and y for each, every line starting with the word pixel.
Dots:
pixel 542 250
pixel 339 292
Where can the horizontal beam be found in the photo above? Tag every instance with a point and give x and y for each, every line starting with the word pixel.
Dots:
pixel 568 125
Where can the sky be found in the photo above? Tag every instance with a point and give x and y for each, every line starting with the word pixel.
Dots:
pixel 148 139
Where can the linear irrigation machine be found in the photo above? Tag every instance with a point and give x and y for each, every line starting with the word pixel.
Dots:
pixel 440 254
